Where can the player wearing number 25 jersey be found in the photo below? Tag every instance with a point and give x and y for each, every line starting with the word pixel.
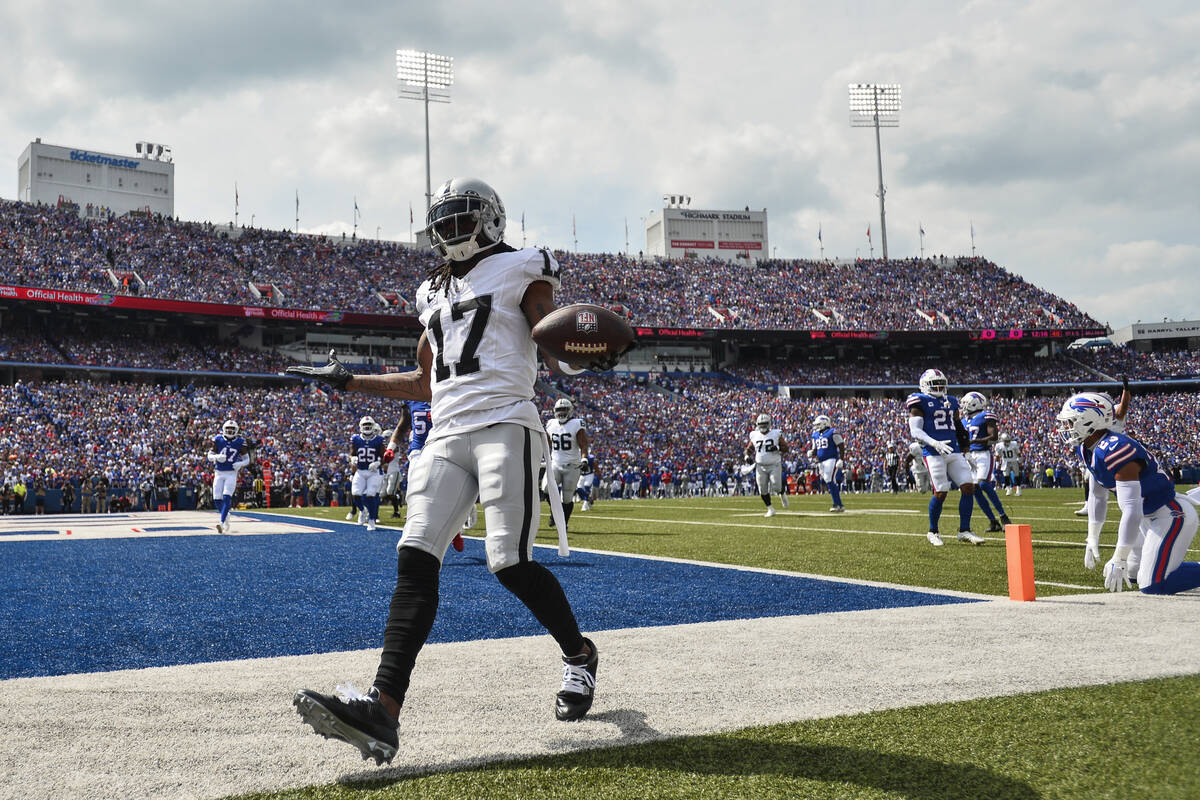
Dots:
pixel 933 421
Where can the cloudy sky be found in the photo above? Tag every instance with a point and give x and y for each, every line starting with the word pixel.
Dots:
pixel 1066 133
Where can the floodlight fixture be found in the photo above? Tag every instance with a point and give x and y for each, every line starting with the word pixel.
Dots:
pixel 876 105
pixel 426 77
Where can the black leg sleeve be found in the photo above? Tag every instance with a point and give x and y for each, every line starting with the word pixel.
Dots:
pixel 540 591
pixel 414 606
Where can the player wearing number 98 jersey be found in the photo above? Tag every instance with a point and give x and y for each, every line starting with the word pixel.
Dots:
pixel 933 421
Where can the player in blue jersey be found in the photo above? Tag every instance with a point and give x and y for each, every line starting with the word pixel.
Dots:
pixel 982 435
pixel 828 447
pixel 1157 525
pixel 415 422
pixel 366 453
pixel 933 421
pixel 227 455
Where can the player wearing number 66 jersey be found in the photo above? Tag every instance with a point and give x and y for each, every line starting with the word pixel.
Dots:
pixel 477 364
pixel 933 421
pixel 568 450
pixel 767 447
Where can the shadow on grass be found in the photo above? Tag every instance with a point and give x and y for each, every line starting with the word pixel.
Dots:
pixel 660 768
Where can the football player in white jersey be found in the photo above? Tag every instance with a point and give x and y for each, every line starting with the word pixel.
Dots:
pixel 477 364
pixel 568 452
pixel 1008 456
pixel 767 448
pixel 919 471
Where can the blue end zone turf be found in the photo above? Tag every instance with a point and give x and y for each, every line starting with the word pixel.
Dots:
pixel 106 604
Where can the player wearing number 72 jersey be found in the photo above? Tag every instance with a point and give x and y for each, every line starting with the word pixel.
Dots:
pixel 933 421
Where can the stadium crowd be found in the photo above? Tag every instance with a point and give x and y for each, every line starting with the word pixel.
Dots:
pixel 53 247
pixel 132 435
pixel 1074 366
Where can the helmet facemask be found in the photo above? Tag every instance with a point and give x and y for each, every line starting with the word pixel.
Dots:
pixel 466 218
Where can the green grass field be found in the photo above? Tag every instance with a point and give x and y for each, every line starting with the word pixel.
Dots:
pixel 1107 741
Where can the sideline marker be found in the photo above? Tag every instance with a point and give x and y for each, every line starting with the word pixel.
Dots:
pixel 1018 544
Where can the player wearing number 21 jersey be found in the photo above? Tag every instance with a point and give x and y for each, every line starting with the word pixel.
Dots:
pixel 933 421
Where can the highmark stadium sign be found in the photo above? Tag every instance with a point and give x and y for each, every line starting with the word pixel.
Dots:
pixel 95 158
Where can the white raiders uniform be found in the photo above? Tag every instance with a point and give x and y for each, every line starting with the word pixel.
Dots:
pixel 488 441
pixel 1009 455
pixel 565 458
pixel 768 462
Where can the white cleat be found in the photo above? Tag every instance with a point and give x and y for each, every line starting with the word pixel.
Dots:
pixel 770 512
pixel 838 509
pixel 370 525
pixel 587 506
pixel 1018 491
pixel 1081 512
pixel 934 538
pixel 969 538
pixel 1007 491
pixel 783 501
pixel 350 516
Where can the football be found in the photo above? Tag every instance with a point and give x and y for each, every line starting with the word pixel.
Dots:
pixel 583 333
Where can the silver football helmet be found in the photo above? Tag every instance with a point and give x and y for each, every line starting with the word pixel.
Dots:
pixel 563 409
pixel 763 423
pixel 465 217
pixel 1005 438
pixel 822 422
pixel 973 402
pixel 1082 415
pixel 366 426
pixel 229 429
pixel 933 383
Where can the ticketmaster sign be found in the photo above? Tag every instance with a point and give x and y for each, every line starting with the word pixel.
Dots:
pixel 94 158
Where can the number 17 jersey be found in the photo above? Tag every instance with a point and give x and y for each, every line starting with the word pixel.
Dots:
pixel 484 362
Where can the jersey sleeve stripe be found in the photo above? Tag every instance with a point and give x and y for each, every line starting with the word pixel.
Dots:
pixel 1119 455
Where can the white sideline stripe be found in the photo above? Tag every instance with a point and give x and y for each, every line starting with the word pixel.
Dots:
pixel 228 728
pixel 134 526
pixel 1066 585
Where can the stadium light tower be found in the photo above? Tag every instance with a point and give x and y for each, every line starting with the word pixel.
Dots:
pixel 876 105
pixel 428 77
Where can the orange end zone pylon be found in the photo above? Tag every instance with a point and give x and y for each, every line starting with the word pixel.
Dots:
pixel 1018 543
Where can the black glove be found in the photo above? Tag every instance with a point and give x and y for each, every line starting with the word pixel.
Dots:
pixel 334 373
pixel 1124 383
pixel 585 468
pixel 605 364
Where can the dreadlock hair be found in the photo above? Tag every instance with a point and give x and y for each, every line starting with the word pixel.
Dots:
pixel 439 277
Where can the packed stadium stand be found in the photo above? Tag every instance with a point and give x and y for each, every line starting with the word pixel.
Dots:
pixel 150 256
pixel 106 390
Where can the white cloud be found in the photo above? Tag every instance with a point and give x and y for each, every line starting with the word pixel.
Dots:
pixel 1068 133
